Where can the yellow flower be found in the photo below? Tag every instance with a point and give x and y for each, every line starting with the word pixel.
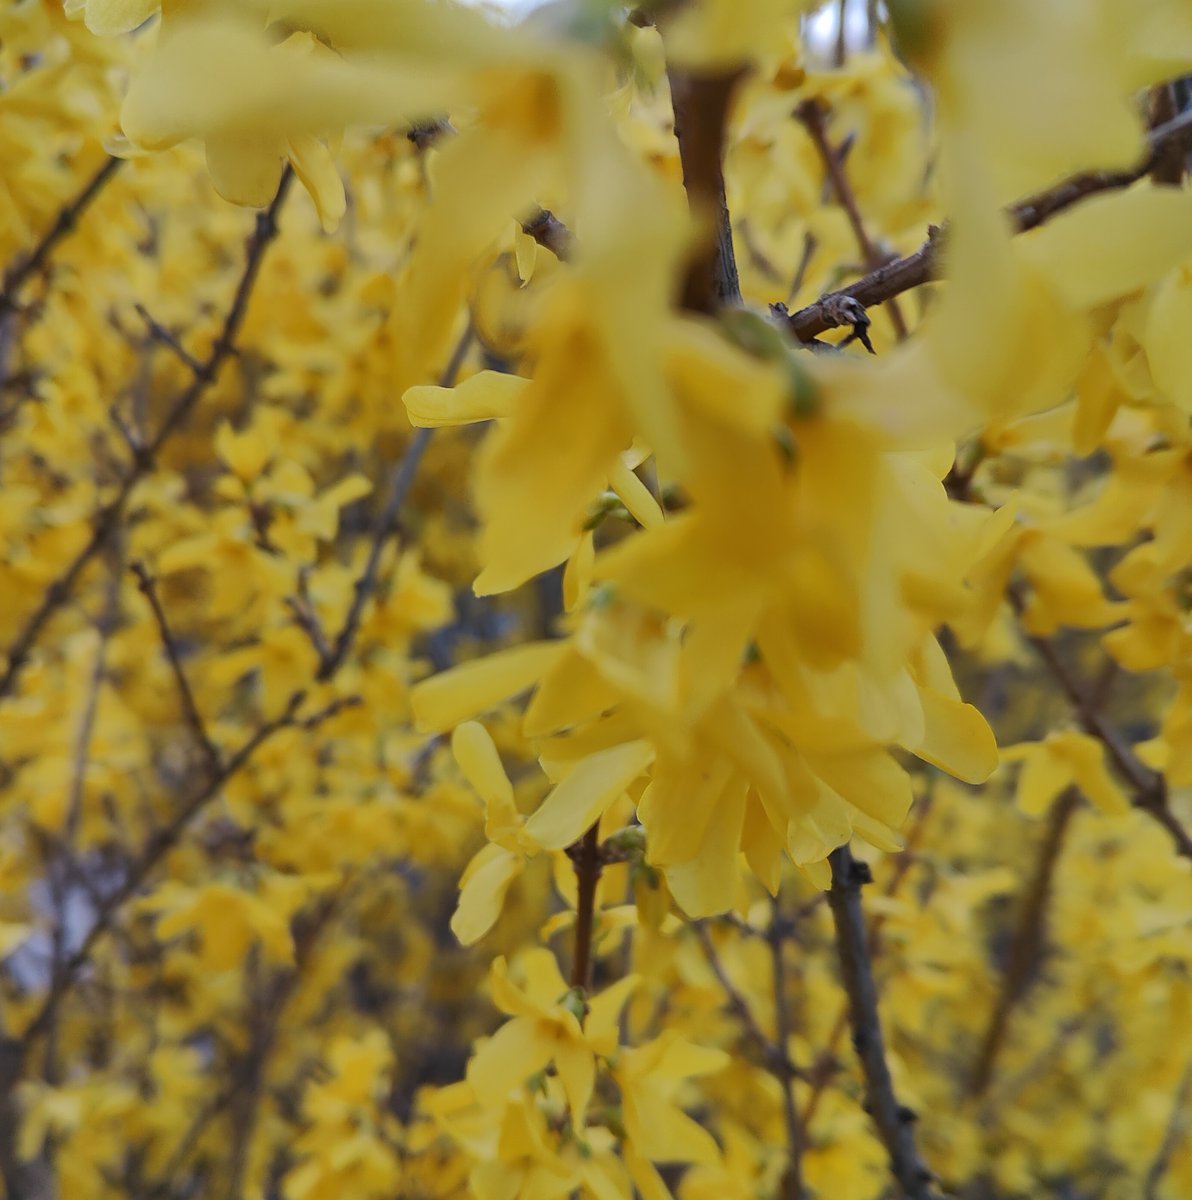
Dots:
pixel 545 1028
pixel 1059 761
pixel 488 876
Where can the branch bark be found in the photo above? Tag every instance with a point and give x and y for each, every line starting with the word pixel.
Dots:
pixel 399 488
pixel 551 234
pixel 1027 944
pixel 144 457
pixel 923 265
pixel 1149 787
pixel 701 106
pixel 791 1187
pixel 811 114
pixel 190 709
pixel 585 857
pixel 894 1121
pixel 68 217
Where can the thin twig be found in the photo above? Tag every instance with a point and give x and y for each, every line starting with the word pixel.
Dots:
pixel 809 244
pixel 894 1121
pixel 106 518
pixel 161 334
pixel 401 481
pixel 190 709
pixel 811 114
pixel 157 847
pixel 250 1071
pixel 1172 1135
pixel 62 870
pixel 1150 793
pixel 773 1054
pixel 791 1187
pixel 68 217
pixel 1027 945
pixel 918 268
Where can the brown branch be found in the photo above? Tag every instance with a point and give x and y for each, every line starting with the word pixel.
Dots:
pixel 701 105
pixel 1176 1126
pixel 190 709
pixel 401 481
pixel 773 1054
pixel 918 268
pixel 249 1074
pixel 811 114
pixel 1150 793
pixel 791 1186
pixel 158 846
pixel 1161 108
pixel 68 217
pixel 585 857
pixel 894 1121
pixel 161 334
pixel 826 1063
pixel 551 234
pixel 63 868
pixel 1027 946
pixel 106 518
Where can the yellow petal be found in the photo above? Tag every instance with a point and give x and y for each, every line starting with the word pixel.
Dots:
pixel 1041 780
pixel 574 805
pixel 708 883
pixel 485 396
pixel 1087 757
pixel 314 164
pixel 483 893
pixel 477 757
pixel 664 1133
pixel 245 168
pixel 1166 339
pixel 443 700
pixel 503 1062
pixel 110 17
pixel 1137 234
pixel 958 738
pixel 635 495
pixel 577 1073
pixel 873 782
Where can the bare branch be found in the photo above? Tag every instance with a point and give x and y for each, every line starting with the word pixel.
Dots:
pixel 161 334
pixel 774 1057
pixel 1177 1125
pixel 160 844
pixel 68 217
pixel 792 1179
pixel 1027 946
pixel 916 269
pixel 401 481
pixel 811 114
pixel 894 1121
pixel 1149 787
pixel 826 1063
pixel 190 709
pixel 106 518
pixel 701 105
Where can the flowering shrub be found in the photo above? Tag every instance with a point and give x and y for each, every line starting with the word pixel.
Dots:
pixel 475 624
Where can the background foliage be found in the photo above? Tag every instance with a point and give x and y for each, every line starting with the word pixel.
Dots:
pixel 490 397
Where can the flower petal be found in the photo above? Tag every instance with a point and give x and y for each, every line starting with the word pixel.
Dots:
pixel 575 804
